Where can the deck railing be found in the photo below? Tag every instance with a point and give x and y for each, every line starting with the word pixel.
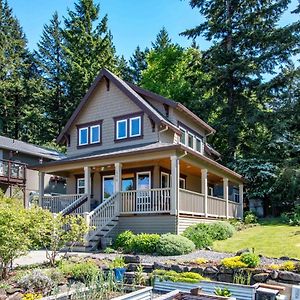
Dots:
pixel 12 171
pixel 56 204
pixel 191 202
pixel 216 207
pixel 146 201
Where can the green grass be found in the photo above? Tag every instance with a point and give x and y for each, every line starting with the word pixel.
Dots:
pixel 271 239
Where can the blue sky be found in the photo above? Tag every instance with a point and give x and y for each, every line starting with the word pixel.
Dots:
pixel 132 22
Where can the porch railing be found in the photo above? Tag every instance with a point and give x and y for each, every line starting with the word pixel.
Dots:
pixel 56 204
pixel 146 201
pixel 12 171
pixel 216 207
pixel 191 202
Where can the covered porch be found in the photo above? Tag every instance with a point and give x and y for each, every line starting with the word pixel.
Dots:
pixel 161 183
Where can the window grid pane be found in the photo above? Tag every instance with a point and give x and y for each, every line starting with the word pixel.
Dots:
pixel 95 134
pixel 122 129
pixel 135 126
pixel 83 136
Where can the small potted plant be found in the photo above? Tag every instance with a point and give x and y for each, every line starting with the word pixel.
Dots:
pixel 119 267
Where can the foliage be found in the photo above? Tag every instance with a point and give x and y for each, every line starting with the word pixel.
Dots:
pixel 233 262
pixel 200 261
pixel 171 244
pixel 124 241
pixel 250 259
pixel 288 266
pixel 109 250
pixel 36 281
pixel 242 277
pixel 32 296
pixel 145 243
pixel 201 239
pixel 292 218
pixel 139 278
pixel 118 262
pixel 250 218
pixel 222 292
pixel 83 271
pixel 188 277
pixel 221 230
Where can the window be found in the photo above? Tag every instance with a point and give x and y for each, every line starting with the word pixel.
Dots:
pixel 210 191
pixel 164 180
pixel 83 136
pixel 127 184
pixel 198 145
pixel 183 134
pixel 121 129
pixel 108 186
pixel 128 127
pixel 95 134
pixel 190 140
pixel 80 186
pixel 182 183
pixel 135 126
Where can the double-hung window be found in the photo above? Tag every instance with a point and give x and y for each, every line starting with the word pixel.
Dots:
pixel 89 134
pixel 191 139
pixel 83 136
pixel 80 186
pixel 128 127
pixel 183 135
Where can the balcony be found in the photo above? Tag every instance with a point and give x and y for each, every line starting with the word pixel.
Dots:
pixel 12 172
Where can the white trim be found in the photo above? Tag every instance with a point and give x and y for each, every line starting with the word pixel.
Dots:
pixel 168 179
pixel 117 129
pixel 210 191
pixel 87 136
pixel 137 179
pixel 103 179
pixel 80 187
pixel 99 134
pixel 140 126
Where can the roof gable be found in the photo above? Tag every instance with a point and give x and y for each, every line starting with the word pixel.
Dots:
pixel 128 91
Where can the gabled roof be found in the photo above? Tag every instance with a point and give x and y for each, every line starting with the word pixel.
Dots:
pixel 173 104
pixel 128 91
pixel 22 147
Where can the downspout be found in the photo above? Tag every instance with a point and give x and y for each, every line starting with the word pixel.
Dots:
pixel 177 204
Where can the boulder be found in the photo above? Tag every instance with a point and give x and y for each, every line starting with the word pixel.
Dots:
pixel 225 270
pixel 13 290
pixel 15 296
pixel 225 277
pixel 260 277
pixel 179 268
pixel 199 270
pixel 211 270
pixel 274 274
pixel 289 276
pixel 160 266
pixel 240 252
pixel 132 259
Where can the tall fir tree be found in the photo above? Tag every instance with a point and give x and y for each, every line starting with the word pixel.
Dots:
pixel 162 41
pixel 88 47
pixel 247 45
pixel 51 61
pixel 138 64
pixel 123 69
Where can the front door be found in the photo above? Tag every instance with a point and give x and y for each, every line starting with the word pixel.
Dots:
pixel 143 186
pixel 108 186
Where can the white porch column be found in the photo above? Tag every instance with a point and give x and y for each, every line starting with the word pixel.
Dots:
pixel 225 195
pixel 118 177
pixel 241 197
pixel 41 187
pixel 87 185
pixel 174 185
pixel 204 190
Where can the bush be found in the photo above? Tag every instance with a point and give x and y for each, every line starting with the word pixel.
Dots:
pixel 171 244
pixel 83 271
pixel 199 235
pixel 250 259
pixel 221 230
pixel 288 266
pixel 189 277
pixel 145 243
pixel 233 263
pixel 36 281
pixel 292 218
pixel 250 217
pixel 124 241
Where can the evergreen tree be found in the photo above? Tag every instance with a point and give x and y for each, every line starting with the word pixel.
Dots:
pixel 51 61
pixel 138 64
pixel 88 48
pixel 162 40
pixel 123 69
pixel 247 45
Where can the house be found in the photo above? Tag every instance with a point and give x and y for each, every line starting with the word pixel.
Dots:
pixel 16 179
pixel 138 161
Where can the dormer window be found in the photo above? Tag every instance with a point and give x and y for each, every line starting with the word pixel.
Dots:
pixel 128 127
pixel 89 134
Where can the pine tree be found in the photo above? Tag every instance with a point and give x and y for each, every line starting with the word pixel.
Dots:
pixel 138 64
pixel 123 69
pixel 88 48
pixel 51 61
pixel 162 40
pixel 247 45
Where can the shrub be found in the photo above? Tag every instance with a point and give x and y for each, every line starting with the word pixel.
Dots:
pixel 124 241
pixel 200 261
pixel 32 296
pixel 118 262
pixel 171 244
pixel 83 271
pixel 221 230
pixel 145 243
pixel 292 218
pixel 250 259
pixel 36 281
pixel 222 292
pixel 288 266
pixel 250 217
pixel 189 277
pixel 233 262
pixel 199 235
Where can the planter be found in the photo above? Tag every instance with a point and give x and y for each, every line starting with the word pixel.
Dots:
pixel 240 292
pixel 177 295
pixel 144 293
pixel 119 274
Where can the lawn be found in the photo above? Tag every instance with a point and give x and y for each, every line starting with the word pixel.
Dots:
pixel 269 239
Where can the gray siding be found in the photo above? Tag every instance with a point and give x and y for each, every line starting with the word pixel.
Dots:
pixel 185 222
pixel 105 105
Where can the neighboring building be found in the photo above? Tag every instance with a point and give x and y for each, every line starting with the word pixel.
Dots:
pixel 138 161
pixel 16 179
